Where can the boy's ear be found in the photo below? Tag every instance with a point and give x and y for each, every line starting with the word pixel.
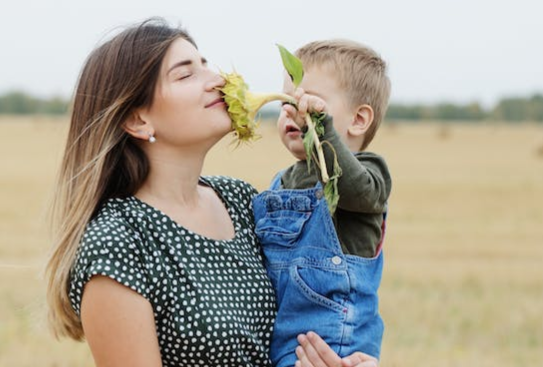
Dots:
pixel 362 120
pixel 137 126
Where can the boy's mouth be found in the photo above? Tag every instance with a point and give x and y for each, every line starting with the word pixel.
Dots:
pixel 292 129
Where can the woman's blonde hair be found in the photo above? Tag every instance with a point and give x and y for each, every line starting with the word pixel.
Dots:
pixel 101 160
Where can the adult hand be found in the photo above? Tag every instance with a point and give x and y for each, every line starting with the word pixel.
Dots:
pixel 315 352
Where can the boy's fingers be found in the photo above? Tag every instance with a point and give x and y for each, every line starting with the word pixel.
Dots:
pixel 303 105
pixel 319 106
pixel 290 110
pixel 299 92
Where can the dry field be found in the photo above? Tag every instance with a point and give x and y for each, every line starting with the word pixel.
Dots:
pixel 463 282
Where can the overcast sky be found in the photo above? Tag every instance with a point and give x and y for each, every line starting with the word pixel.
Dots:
pixel 460 51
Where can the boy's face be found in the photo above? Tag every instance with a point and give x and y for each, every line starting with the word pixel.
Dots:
pixel 321 82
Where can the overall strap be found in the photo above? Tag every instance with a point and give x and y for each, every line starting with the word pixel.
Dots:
pixel 276 181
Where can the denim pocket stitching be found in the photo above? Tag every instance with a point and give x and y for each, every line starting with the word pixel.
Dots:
pixel 311 295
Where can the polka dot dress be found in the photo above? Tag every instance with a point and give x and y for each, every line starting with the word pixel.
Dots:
pixel 212 301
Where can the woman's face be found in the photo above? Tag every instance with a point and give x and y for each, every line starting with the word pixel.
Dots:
pixel 187 109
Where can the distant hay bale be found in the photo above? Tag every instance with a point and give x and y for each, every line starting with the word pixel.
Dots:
pixel 539 151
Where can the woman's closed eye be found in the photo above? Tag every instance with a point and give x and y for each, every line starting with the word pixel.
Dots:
pixel 184 76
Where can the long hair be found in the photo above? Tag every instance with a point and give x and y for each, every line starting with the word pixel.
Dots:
pixel 101 160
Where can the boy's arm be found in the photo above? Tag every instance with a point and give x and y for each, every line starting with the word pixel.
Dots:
pixel 365 184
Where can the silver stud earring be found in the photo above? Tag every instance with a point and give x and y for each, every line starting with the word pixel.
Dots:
pixel 152 139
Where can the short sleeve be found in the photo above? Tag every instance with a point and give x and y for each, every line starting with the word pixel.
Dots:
pixel 113 249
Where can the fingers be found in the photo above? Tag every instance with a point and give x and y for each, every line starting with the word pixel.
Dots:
pixel 293 114
pixel 308 102
pixel 303 360
pixel 290 110
pixel 305 103
pixel 314 352
pixel 307 355
pixel 359 359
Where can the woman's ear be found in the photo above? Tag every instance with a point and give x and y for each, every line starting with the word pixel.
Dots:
pixel 362 120
pixel 138 127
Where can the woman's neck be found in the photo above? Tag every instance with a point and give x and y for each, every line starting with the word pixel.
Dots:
pixel 172 179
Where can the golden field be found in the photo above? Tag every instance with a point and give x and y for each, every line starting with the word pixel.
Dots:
pixel 463 280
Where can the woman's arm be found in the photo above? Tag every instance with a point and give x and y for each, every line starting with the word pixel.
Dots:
pixel 314 352
pixel 119 325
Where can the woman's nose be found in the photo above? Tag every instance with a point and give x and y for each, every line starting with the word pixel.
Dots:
pixel 216 81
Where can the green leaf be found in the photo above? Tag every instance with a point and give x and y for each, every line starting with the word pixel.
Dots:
pixel 308 145
pixel 331 192
pixel 292 64
pixel 318 118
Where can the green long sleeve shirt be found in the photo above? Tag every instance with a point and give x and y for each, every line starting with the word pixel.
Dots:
pixel 364 188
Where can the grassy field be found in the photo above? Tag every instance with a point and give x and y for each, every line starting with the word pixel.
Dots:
pixel 463 281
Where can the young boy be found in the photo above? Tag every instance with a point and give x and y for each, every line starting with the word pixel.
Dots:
pixel 328 268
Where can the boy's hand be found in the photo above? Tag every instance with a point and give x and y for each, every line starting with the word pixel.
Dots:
pixel 307 103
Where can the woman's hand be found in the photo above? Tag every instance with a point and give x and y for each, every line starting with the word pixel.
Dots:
pixel 314 352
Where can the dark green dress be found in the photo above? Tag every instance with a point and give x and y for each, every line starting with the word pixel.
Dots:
pixel 212 300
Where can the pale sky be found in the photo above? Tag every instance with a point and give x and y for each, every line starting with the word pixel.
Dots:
pixel 459 51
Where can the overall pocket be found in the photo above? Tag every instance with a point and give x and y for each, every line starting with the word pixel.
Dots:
pixel 281 228
pixel 323 287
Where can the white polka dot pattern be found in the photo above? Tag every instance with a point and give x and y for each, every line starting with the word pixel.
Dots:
pixel 212 301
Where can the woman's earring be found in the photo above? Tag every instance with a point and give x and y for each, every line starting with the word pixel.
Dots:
pixel 152 139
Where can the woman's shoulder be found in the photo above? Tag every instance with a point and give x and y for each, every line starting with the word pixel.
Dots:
pixel 112 216
pixel 111 229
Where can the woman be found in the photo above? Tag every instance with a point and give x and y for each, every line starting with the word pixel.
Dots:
pixel 155 265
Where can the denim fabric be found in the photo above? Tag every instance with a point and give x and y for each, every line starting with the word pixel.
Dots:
pixel 318 288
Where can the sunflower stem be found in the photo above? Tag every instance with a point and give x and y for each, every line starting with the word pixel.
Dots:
pixel 318 148
pixel 270 97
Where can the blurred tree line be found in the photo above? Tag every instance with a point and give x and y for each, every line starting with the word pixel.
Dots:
pixel 20 103
pixel 514 109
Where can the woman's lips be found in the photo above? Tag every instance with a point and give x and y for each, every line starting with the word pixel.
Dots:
pixel 218 101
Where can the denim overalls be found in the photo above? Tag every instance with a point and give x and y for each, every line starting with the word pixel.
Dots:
pixel 318 287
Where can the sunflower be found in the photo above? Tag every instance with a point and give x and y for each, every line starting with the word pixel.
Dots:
pixel 243 105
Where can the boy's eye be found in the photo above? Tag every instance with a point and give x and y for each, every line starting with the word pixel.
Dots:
pixel 184 76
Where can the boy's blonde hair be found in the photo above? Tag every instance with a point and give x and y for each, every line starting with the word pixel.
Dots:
pixel 360 71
